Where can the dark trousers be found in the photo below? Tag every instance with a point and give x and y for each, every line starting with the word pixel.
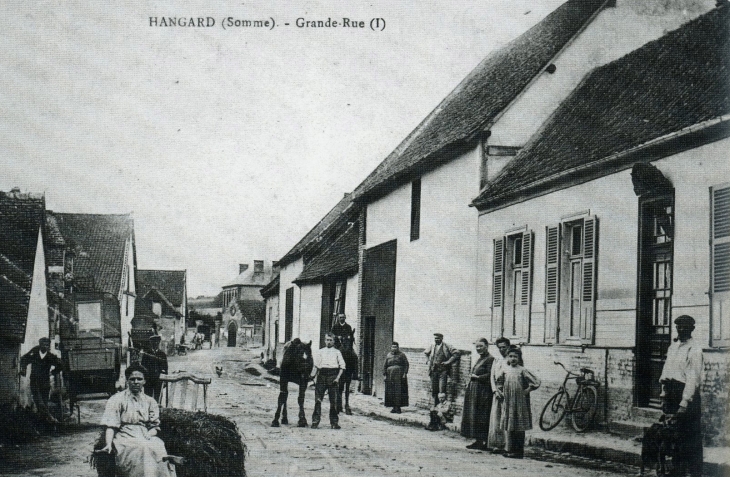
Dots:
pixel 439 380
pixel 689 427
pixel 325 383
pixel 40 393
pixel 153 389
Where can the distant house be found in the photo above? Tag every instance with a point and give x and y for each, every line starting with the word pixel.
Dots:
pixel 24 312
pixel 614 219
pixel 164 294
pixel 99 274
pixel 245 318
pixel 420 237
pixel 270 334
pixel 248 283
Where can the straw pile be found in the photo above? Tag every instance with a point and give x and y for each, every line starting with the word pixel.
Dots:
pixel 210 444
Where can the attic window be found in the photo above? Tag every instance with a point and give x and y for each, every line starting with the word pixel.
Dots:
pixel 89 315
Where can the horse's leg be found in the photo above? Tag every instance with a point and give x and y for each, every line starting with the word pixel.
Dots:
pixel 300 401
pixel 281 404
pixel 340 389
pixel 348 381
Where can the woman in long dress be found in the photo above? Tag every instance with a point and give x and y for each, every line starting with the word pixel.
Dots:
pixel 478 398
pixel 515 385
pixel 395 371
pixel 495 442
pixel 132 421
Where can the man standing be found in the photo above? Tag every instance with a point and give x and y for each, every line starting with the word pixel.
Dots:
pixel 440 358
pixel 681 379
pixel 155 361
pixel 328 368
pixel 341 329
pixel 41 361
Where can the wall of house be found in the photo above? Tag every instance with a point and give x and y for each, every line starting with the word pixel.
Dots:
pixel 9 357
pixel 311 313
pixel 613 33
pixel 351 307
pixel 613 201
pixel 127 310
pixel 435 276
pixel 287 275
pixel 272 315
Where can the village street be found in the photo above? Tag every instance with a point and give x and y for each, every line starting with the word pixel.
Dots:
pixel 364 446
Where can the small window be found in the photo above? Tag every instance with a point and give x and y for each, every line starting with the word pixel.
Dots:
pixel 517 251
pixel 415 210
pixel 576 238
pixel 89 315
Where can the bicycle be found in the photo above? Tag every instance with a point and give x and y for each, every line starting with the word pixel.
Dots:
pixel 581 406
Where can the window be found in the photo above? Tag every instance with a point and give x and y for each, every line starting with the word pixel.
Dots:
pixel 89 315
pixel 289 314
pixel 570 280
pixel 512 286
pixel 720 265
pixel 415 210
pixel 333 303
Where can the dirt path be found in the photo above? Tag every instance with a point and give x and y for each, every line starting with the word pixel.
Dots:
pixel 364 446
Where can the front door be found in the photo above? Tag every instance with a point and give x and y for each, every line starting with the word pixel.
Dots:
pixel 231 335
pixel 378 301
pixel 654 321
pixel 368 354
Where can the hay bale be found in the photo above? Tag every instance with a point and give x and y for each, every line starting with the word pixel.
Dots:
pixel 210 445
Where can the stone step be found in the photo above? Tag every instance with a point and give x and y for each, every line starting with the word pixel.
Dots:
pixel 629 429
pixel 647 414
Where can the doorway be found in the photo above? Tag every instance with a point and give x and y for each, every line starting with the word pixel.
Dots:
pixel 368 354
pixel 655 282
pixel 232 331
pixel 378 302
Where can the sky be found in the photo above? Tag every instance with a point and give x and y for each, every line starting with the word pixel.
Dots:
pixel 227 145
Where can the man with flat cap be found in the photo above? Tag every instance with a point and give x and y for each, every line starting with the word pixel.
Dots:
pixel 681 380
pixel 43 364
pixel 155 361
pixel 440 357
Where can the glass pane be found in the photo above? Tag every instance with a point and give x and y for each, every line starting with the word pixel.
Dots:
pixel 575 289
pixel 517 252
pixel 576 240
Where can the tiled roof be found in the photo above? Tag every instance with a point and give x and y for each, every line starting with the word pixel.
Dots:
pixel 21 217
pixel 318 230
pixel 677 81
pixel 143 304
pixel 340 258
pixel 272 288
pixel 480 97
pixel 98 241
pixel 171 283
pixel 250 277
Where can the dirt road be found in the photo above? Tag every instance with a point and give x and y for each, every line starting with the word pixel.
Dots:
pixel 364 446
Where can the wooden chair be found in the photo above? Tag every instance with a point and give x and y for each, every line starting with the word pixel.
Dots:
pixel 181 391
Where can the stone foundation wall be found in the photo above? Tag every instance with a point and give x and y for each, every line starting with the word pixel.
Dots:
pixel 419 384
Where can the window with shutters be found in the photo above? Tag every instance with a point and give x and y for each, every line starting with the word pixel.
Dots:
pixel 720 265
pixel 570 281
pixel 512 286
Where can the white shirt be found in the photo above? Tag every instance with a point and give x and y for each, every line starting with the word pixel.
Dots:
pixel 497 366
pixel 42 354
pixel 329 358
pixel 684 363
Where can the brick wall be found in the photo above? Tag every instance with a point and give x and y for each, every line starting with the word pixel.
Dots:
pixel 419 384
pixel 716 399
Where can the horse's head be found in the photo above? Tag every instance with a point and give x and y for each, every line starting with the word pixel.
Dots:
pixel 308 361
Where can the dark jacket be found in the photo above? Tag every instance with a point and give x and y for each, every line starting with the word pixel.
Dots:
pixel 41 370
pixel 156 363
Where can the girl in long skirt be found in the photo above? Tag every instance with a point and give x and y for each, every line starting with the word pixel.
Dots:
pixel 514 385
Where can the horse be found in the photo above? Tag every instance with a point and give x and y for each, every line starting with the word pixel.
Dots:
pixel 296 367
pixel 351 364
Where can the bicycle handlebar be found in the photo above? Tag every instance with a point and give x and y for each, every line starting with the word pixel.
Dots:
pixel 582 370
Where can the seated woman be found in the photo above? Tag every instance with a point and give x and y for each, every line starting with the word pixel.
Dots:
pixel 132 420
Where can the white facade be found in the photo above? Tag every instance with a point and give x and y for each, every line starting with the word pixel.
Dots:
pixel 287 275
pixel 435 276
pixel 612 200
pixel 37 323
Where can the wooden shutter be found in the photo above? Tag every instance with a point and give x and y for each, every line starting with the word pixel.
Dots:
pixel 497 287
pixel 720 264
pixel 552 279
pixel 588 298
pixel 525 296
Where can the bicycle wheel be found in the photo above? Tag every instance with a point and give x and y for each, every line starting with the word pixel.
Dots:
pixel 554 411
pixel 584 408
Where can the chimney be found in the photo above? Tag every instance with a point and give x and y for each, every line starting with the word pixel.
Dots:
pixel 258 266
pixel 242 267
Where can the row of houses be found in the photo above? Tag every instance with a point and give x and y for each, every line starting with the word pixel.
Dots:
pixel 74 278
pixel 572 194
